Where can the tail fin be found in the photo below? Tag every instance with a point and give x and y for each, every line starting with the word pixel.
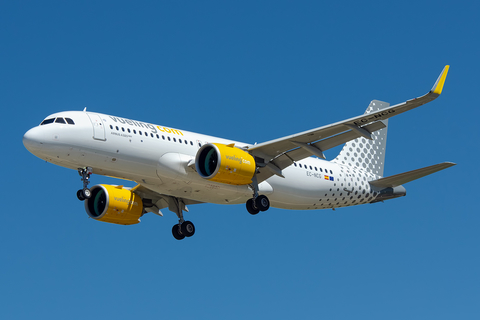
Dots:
pixel 367 155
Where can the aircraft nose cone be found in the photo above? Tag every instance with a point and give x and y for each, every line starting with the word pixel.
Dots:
pixel 32 140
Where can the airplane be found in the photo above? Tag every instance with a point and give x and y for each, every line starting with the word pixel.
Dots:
pixel 175 168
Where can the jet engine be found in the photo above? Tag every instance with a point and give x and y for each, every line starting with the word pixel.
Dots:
pixel 225 163
pixel 114 204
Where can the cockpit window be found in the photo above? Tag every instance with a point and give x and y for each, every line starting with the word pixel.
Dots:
pixel 58 120
pixel 47 121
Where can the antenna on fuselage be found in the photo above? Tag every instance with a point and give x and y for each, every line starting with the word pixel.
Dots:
pixel 85 109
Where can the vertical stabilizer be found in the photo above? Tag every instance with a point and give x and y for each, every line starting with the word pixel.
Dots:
pixel 367 155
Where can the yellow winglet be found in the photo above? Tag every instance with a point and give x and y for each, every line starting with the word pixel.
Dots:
pixel 438 86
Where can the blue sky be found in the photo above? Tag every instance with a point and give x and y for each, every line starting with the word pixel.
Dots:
pixel 249 71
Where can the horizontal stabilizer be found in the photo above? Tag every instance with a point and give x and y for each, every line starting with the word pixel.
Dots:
pixel 402 178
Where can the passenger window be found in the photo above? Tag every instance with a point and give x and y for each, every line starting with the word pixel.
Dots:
pixel 134 131
pixel 140 132
pixel 69 121
pixel 123 129
pixel 151 135
pixel 128 130
pixel 311 168
pixel 191 143
pixel 168 138
pixel 163 137
pixel 111 127
pixel 186 142
pixel 180 140
pixel 59 120
pixel 47 121
pixel 174 140
pixel 116 128
pixel 300 165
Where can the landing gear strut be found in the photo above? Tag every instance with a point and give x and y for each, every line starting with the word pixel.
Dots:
pixel 258 202
pixel 84 193
pixel 183 228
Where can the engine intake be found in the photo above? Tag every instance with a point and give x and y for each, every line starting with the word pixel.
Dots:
pixel 225 164
pixel 114 204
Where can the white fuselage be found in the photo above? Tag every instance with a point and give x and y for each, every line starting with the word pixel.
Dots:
pixel 159 158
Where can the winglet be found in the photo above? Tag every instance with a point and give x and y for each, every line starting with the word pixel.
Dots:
pixel 438 86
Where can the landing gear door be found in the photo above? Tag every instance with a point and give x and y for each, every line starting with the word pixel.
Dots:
pixel 98 127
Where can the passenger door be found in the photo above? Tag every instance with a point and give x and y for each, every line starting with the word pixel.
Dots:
pixel 98 127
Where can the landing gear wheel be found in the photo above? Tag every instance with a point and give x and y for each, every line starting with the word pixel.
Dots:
pixel 80 195
pixel 251 208
pixel 86 193
pixel 262 203
pixel 187 228
pixel 177 233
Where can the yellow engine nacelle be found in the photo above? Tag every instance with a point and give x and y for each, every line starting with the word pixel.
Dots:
pixel 114 204
pixel 225 163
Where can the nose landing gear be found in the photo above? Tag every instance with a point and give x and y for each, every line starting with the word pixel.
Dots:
pixel 84 193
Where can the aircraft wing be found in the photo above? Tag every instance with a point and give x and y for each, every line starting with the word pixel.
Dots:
pixel 155 201
pixel 280 153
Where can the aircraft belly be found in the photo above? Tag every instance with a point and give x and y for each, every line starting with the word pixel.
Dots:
pixel 202 191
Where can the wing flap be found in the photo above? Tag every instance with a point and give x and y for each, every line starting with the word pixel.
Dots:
pixel 159 199
pixel 287 158
pixel 402 178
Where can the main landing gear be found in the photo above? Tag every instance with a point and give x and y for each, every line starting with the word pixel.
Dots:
pixel 183 228
pixel 258 202
pixel 261 203
pixel 84 193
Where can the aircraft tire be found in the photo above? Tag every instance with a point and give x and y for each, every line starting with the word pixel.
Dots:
pixel 262 203
pixel 251 208
pixel 80 195
pixel 188 229
pixel 176 232
pixel 86 193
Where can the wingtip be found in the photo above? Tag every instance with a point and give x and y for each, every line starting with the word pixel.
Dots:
pixel 438 86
